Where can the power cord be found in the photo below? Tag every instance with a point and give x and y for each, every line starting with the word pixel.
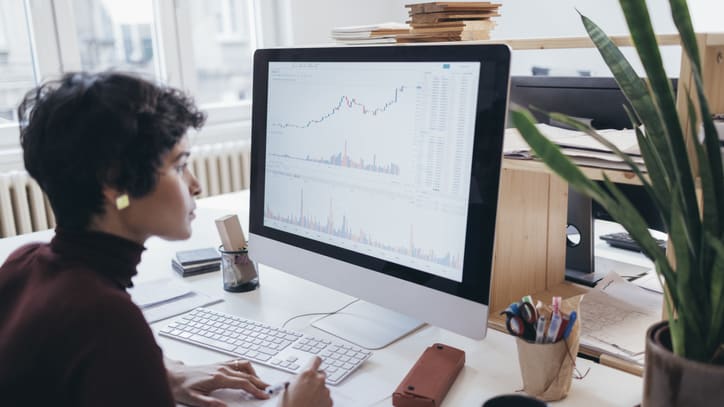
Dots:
pixel 284 325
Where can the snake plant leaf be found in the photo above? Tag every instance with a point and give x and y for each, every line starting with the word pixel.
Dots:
pixel 713 163
pixel 688 271
pixel 644 38
pixel 635 89
pixel 682 19
pixel 694 293
pixel 624 212
pixel 706 255
pixel 656 174
pixel 654 167
pixel 552 155
pixel 590 131
pixel 638 94
pixel 717 289
pixel 680 247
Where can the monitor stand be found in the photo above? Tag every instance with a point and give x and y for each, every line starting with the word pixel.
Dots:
pixel 368 325
pixel 580 265
pixel 585 277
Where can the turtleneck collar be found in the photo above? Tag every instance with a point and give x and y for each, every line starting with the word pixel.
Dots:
pixel 109 255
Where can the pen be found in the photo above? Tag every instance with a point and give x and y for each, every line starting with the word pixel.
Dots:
pixel 553 328
pixel 571 321
pixel 562 328
pixel 556 303
pixel 276 388
pixel 540 329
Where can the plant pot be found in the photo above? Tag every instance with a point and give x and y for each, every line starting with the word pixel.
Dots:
pixel 670 380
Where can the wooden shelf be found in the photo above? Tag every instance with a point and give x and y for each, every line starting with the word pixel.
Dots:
pixel 529 256
pixel 576 42
pixel 617 176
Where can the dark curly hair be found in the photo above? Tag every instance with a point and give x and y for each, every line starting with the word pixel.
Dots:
pixel 86 131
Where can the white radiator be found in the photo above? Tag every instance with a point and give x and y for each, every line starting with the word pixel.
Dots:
pixel 220 168
pixel 23 206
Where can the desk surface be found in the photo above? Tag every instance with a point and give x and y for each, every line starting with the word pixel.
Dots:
pixel 491 364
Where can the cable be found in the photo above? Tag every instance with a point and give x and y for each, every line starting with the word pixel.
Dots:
pixel 318 313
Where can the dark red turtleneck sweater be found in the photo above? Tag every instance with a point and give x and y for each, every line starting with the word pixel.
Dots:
pixel 69 333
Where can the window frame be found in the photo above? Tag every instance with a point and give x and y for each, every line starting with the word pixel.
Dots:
pixel 52 29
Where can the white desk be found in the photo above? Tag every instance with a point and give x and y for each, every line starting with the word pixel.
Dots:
pixel 491 365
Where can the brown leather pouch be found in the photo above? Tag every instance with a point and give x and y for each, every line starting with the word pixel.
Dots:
pixel 429 380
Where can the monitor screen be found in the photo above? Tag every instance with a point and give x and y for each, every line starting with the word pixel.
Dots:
pixel 375 170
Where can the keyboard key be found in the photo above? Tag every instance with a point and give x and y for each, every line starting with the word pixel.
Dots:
pixel 334 376
pixel 212 342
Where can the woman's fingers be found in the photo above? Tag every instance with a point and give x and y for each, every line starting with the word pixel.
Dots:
pixel 314 363
pixel 242 375
pixel 250 384
pixel 241 365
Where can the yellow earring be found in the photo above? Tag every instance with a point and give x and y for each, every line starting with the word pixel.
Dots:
pixel 122 202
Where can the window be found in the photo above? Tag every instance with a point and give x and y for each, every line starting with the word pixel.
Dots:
pixel 117 34
pixel 202 46
pixel 16 60
pixel 222 42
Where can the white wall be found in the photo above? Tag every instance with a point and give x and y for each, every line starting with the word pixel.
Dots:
pixel 312 20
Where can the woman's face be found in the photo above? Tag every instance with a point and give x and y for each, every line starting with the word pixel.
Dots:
pixel 167 211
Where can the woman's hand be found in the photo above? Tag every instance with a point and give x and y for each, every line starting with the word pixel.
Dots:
pixel 308 389
pixel 191 385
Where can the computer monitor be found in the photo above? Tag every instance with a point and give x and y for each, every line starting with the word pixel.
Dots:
pixel 596 99
pixel 375 172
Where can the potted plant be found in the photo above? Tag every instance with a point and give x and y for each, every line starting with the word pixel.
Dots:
pixel 685 353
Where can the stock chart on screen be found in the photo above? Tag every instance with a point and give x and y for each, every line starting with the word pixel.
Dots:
pixel 373 157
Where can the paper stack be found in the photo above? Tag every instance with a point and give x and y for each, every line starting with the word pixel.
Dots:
pixel 161 299
pixel 615 315
pixel 197 261
pixel 369 34
pixel 581 148
pixel 450 21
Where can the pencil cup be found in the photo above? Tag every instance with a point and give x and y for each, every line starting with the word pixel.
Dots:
pixel 547 368
pixel 238 270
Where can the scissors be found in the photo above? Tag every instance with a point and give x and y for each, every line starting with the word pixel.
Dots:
pixel 528 312
pixel 515 325
pixel 521 319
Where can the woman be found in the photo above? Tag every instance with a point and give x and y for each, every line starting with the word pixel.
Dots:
pixel 111 153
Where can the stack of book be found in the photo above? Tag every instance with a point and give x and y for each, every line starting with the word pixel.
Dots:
pixel 450 21
pixel 197 261
pixel 369 34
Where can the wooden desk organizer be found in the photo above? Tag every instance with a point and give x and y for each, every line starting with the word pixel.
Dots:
pixel 529 256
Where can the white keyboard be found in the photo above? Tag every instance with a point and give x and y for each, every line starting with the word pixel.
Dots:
pixel 271 346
